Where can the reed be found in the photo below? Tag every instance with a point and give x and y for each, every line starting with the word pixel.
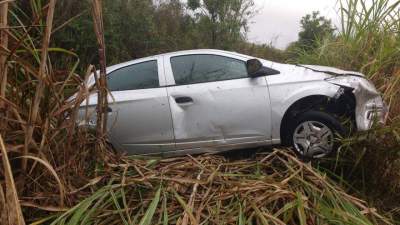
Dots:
pixel 368 41
pixel 41 137
pixel 101 82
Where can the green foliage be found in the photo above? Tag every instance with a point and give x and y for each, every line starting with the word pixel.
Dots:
pixel 314 29
pixel 369 164
pixel 225 21
pixel 138 28
pixel 369 42
pixel 264 51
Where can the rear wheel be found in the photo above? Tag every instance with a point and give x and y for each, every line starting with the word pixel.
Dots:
pixel 313 134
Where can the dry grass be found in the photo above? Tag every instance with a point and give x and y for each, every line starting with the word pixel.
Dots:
pixel 37 122
pixel 11 209
pixel 273 189
pixel 101 81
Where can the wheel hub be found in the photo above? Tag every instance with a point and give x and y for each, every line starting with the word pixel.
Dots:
pixel 313 139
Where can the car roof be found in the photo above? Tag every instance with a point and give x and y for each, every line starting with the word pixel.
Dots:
pixel 184 52
pixel 194 51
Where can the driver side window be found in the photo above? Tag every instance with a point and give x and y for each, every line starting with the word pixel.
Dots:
pixel 191 69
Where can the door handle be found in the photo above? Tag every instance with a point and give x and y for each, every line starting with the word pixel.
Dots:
pixel 108 109
pixel 184 100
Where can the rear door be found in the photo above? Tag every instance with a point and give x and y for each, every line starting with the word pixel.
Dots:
pixel 214 103
pixel 139 118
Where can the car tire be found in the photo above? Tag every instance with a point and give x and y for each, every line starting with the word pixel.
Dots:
pixel 314 134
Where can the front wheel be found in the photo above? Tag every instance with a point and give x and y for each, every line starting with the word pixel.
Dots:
pixel 314 134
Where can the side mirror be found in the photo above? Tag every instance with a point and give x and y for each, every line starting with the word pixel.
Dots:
pixel 256 69
pixel 253 66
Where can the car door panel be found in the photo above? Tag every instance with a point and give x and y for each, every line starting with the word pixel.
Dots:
pixel 221 112
pixel 224 112
pixel 139 121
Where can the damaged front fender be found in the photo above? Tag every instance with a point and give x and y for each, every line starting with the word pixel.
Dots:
pixel 370 107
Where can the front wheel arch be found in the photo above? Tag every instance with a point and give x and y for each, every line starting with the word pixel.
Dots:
pixel 343 106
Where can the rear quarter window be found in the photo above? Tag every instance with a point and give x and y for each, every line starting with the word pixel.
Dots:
pixel 138 76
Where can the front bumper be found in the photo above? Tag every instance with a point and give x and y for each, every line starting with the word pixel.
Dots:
pixel 372 112
pixel 370 107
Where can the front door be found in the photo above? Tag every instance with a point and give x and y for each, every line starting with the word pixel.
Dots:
pixel 214 102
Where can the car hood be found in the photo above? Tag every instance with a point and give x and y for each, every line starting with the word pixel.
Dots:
pixel 303 73
pixel 331 70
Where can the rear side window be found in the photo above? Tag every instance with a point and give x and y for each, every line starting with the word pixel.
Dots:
pixel 138 76
pixel 191 69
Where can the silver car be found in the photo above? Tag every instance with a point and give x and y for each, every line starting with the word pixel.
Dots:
pixel 198 101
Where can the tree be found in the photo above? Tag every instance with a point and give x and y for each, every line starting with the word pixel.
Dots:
pixel 314 28
pixel 223 22
pixel 138 28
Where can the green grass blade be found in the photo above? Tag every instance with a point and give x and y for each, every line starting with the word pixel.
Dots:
pixel 300 209
pixel 148 216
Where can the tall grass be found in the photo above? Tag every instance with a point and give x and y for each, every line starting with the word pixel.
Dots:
pixel 10 210
pixel 44 155
pixel 368 41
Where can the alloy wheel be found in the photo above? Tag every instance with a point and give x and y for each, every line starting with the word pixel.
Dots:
pixel 313 139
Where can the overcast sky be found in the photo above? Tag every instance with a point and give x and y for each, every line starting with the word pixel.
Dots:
pixel 278 21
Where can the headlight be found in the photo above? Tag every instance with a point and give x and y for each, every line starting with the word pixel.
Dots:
pixel 355 82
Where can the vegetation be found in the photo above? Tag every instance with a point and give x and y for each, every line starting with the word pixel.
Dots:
pixel 139 28
pixel 314 28
pixel 276 188
pixel 53 172
pixel 368 41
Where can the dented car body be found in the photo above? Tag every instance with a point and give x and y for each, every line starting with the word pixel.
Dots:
pixel 205 101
